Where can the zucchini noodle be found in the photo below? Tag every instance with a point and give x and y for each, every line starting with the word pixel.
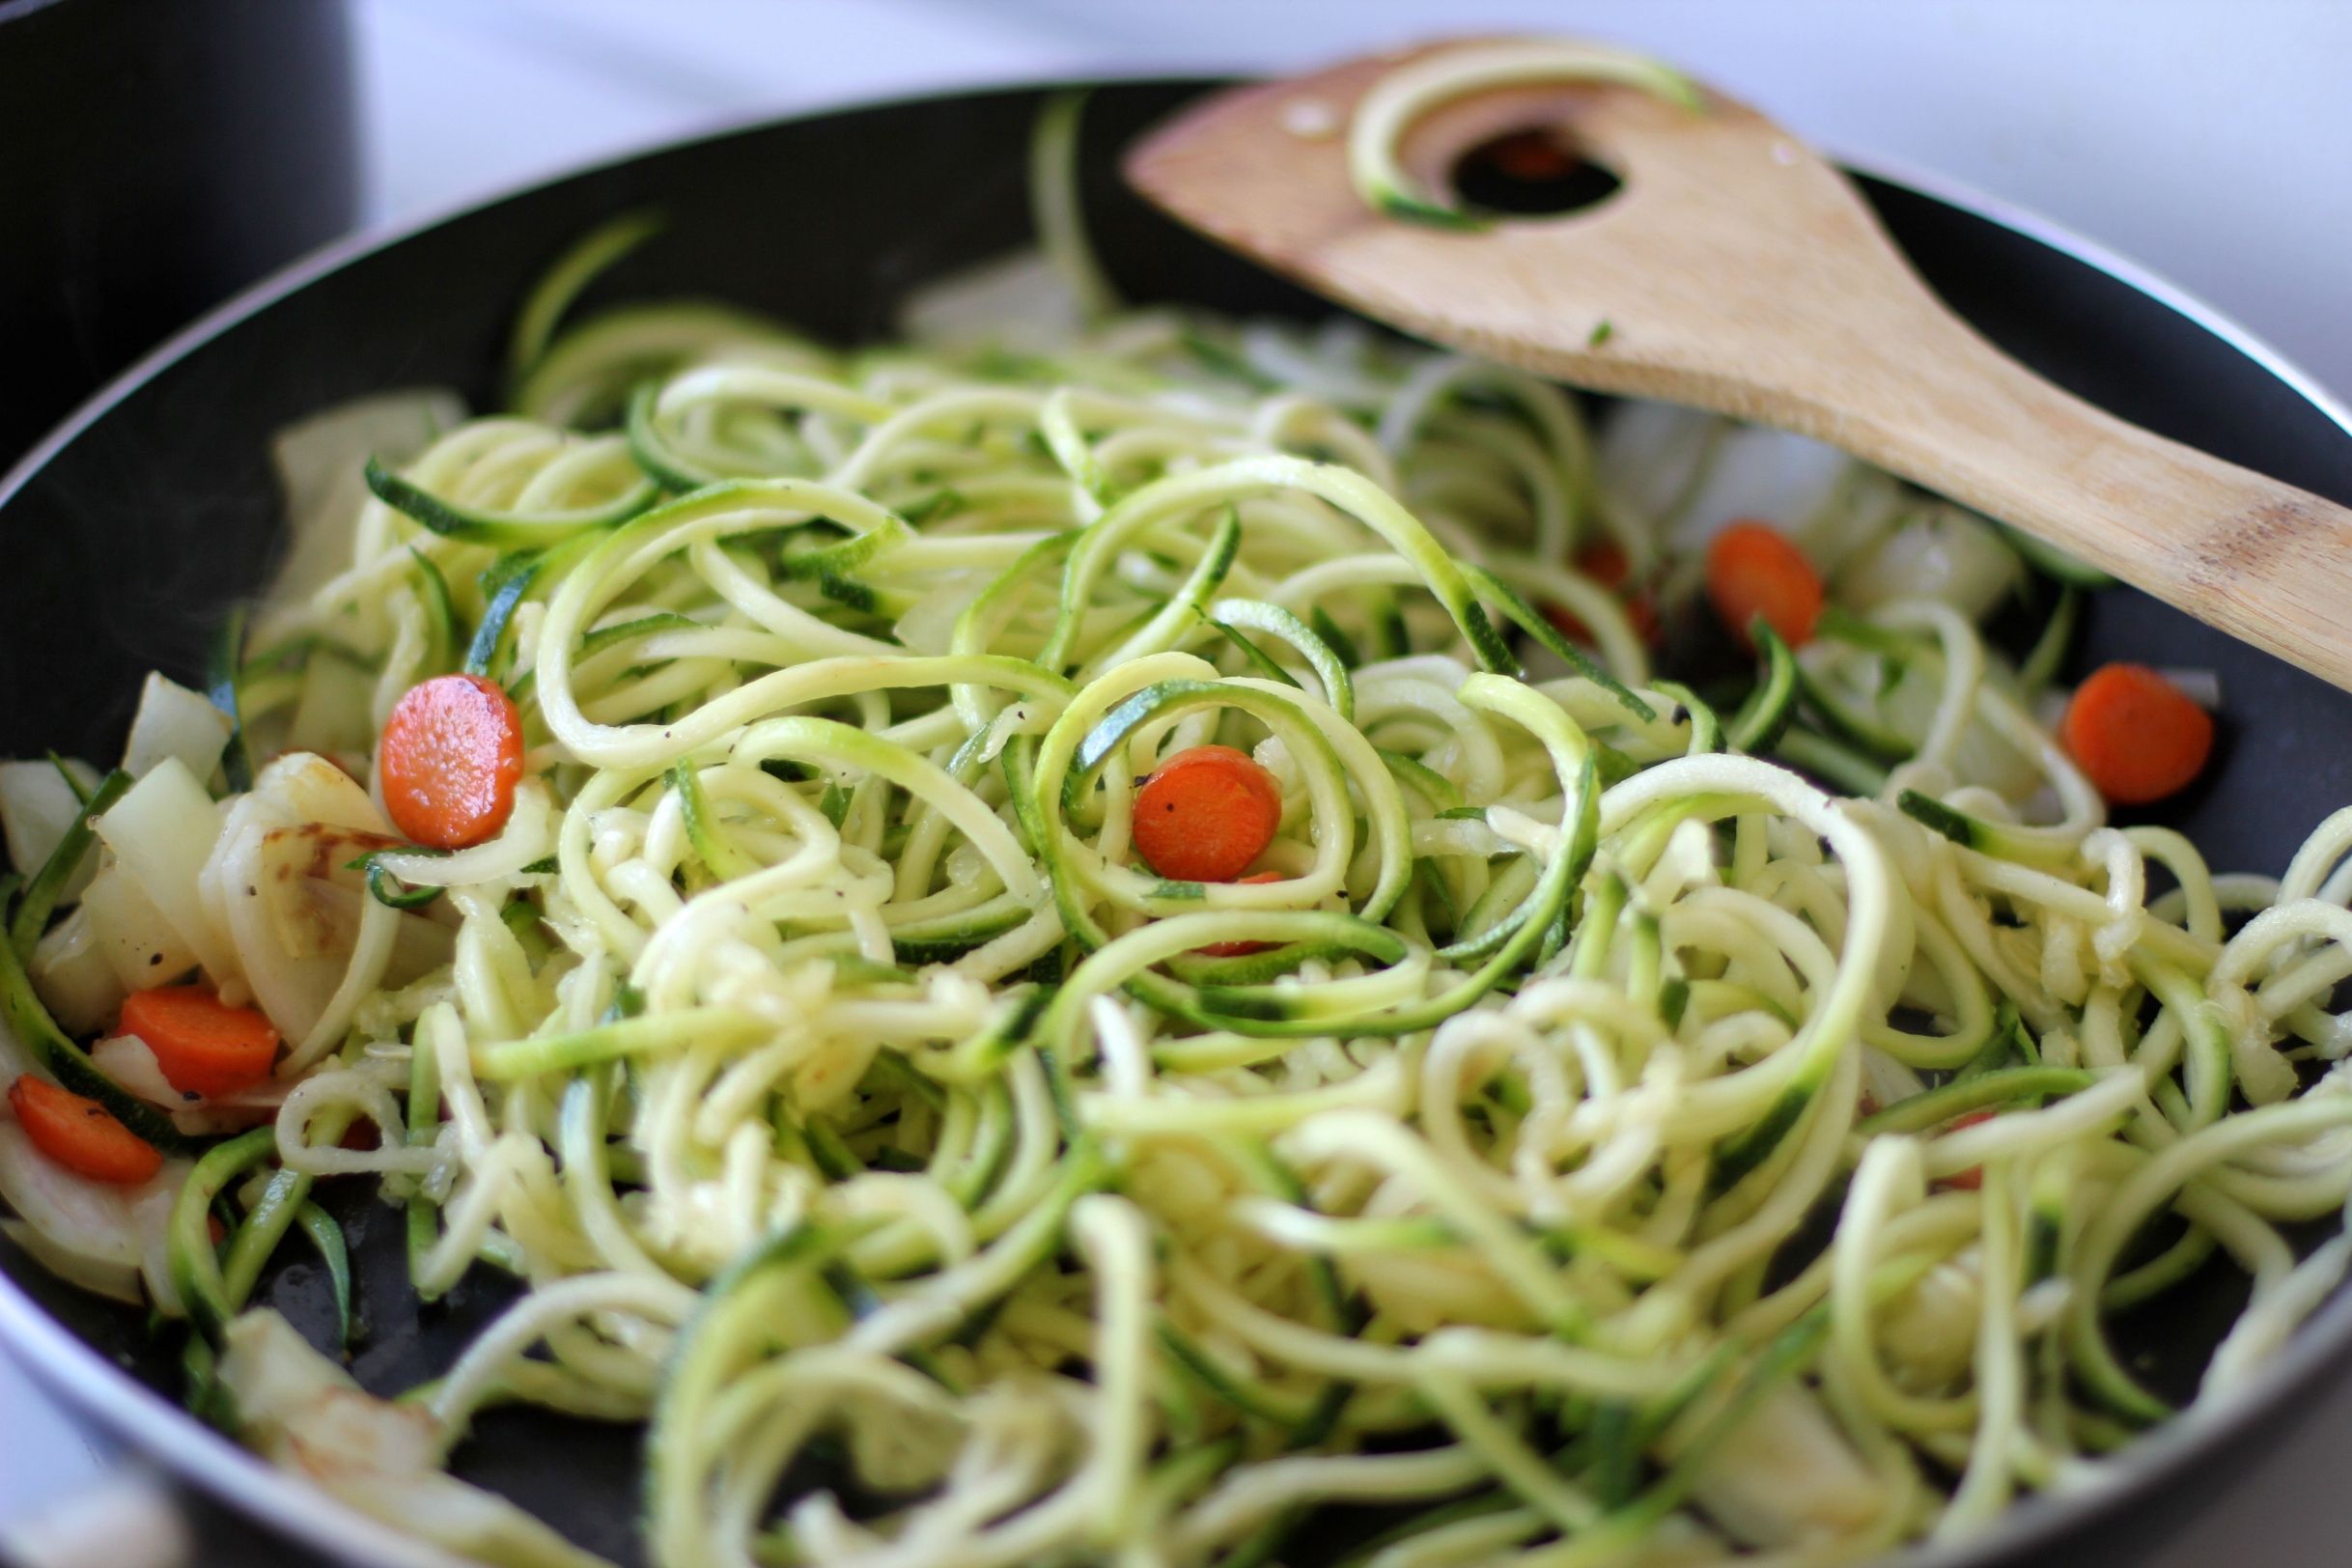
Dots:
pixel 1579 1148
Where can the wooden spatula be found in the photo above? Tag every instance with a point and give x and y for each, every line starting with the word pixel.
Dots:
pixel 1738 271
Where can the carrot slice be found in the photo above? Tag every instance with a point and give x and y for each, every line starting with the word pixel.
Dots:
pixel 1753 569
pixel 81 1134
pixel 1241 949
pixel 1206 814
pixel 1604 562
pixel 451 757
pixel 203 1046
pixel 1971 1179
pixel 2137 736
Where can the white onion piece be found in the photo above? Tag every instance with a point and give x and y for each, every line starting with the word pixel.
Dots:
pixel 1770 475
pixel 108 1279
pixel 1786 1474
pixel 72 977
pixel 1930 1329
pixel 37 807
pixel 90 1219
pixel 291 983
pixel 1328 366
pixel 1868 502
pixel 1981 757
pixel 142 948
pixel 126 1059
pixel 309 788
pixel 161 830
pixel 151 1220
pixel 1941 553
pixel 1648 455
pixel 1887 1080
pixel 2202 686
pixel 321 462
pixel 172 721
pixel 306 1415
pixel 281 882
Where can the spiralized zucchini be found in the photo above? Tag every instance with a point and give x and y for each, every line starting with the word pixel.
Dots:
pixel 1591 1163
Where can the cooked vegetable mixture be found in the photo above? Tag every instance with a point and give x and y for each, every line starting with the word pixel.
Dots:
pixel 1096 928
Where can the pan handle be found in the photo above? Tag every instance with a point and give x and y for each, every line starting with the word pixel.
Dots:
pixel 132 1519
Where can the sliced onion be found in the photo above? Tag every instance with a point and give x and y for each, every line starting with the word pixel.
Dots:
pixel 1868 502
pixel 172 721
pixel 108 1279
pixel 1785 1474
pixel 1784 479
pixel 1930 1329
pixel 139 946
pixel 1941 553
pixel 161 832
pixel 1887 1080
pixel 322 461
pixel 281 877
pixel 36 806
pixel 1648 455
pixel 126 1060
pixel 150 1220
pixel 72 975
pixel 1983 756
pixel 2202 686
pixel 309 788
pixel 87 1218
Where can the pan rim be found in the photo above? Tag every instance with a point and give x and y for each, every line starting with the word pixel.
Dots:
pixel 92 1387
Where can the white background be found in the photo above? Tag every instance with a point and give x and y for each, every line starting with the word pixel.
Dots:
pixel 2210 139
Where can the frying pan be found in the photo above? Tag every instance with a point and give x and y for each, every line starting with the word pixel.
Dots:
pixel 126 535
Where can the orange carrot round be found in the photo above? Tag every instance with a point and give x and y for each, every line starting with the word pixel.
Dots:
pixel 451 757
pixel 1753 569
pixel 1241 949
pixel 1604 562
pixel 1206 814
pixel 81 1134
pixel 1971 1179
pixel 2135 734
pixel 203 1046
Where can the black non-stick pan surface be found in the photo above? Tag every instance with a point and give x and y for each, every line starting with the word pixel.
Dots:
pixel 124 539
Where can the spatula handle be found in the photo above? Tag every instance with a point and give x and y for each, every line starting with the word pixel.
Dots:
pixel 2260 559
pixel 1736 272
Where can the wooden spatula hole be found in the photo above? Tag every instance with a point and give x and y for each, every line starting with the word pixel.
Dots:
pixel 1536 172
